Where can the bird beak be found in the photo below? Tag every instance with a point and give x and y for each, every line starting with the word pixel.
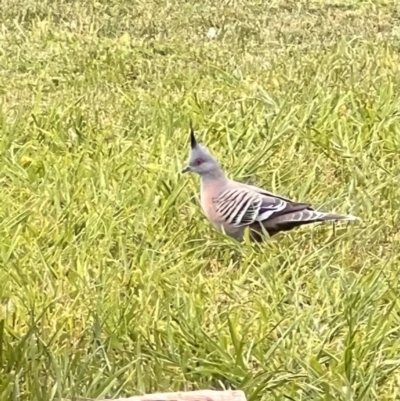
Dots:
pixel 186 169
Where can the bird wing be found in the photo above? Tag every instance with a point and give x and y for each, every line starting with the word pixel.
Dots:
pixel 263 191
pixel 241 206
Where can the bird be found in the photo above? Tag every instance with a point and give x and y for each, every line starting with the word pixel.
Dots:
pixel 232 207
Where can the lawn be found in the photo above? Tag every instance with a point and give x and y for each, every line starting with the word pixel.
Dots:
pixel 112 282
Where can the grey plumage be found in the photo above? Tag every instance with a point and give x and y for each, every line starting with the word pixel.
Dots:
pixel 232 206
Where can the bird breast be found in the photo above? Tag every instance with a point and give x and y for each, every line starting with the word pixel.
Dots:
pixel 207 196
pixel 209 192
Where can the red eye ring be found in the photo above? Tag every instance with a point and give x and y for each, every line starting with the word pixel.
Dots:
pixel 197 162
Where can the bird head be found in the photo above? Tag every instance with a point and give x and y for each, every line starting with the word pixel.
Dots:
pixel 200 160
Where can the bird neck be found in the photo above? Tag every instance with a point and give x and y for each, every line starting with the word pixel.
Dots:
pixel 216 174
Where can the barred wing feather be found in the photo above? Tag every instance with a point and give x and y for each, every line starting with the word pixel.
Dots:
pixel 241 207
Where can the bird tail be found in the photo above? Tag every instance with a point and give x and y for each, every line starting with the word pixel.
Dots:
pixel 298 218
pixel 336 217
pixel 307 216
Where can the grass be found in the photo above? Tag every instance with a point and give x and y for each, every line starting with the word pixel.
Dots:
pixel 112 283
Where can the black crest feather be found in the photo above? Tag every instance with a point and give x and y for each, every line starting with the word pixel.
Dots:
pixel 193 141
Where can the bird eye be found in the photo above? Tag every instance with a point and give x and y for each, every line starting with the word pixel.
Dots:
pixel 197 162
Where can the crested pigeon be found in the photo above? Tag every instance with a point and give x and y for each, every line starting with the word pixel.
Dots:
pixel 231 206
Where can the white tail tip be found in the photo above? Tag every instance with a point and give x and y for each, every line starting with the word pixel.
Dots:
pixel 350 217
